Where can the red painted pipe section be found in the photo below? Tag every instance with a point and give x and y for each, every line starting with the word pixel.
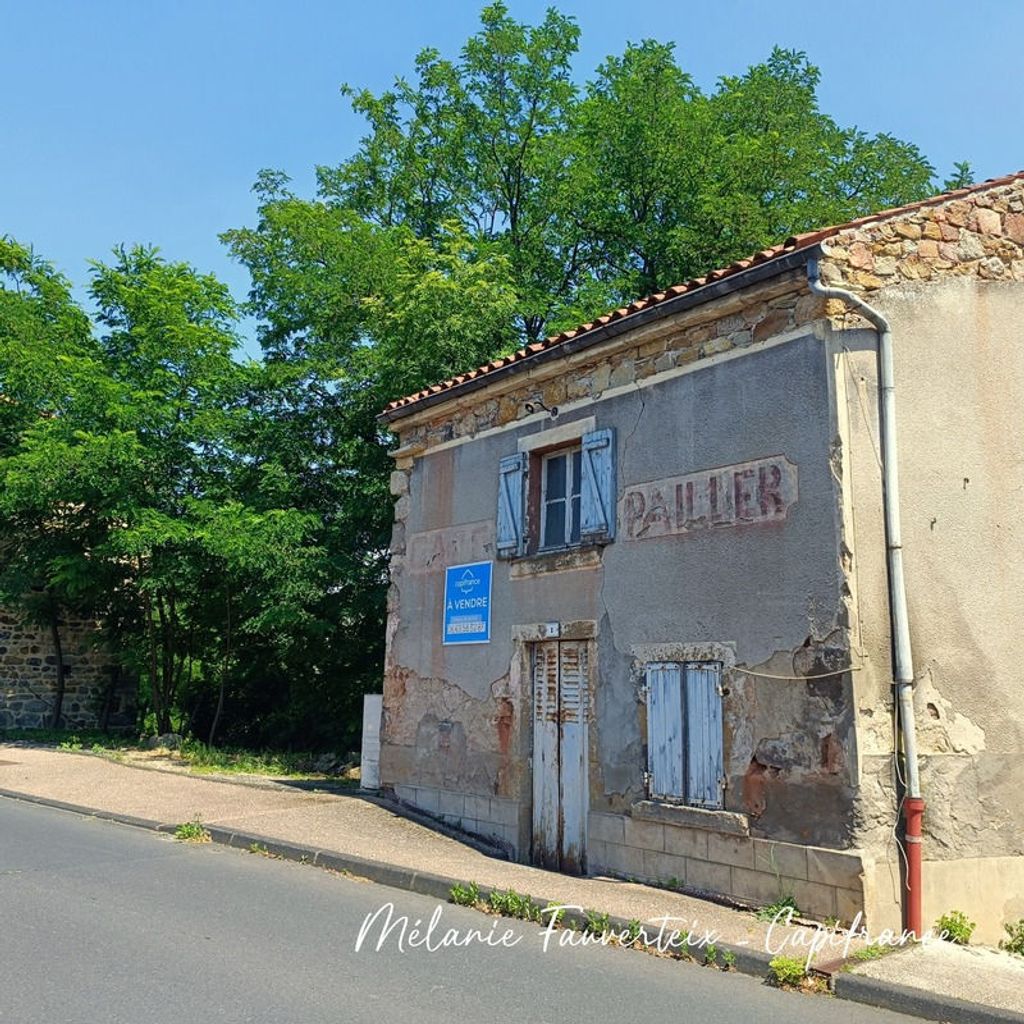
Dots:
pixel 913 812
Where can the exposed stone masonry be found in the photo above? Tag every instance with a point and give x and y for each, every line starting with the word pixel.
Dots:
pixel 980 235
pixel 732 322
pixel 28 678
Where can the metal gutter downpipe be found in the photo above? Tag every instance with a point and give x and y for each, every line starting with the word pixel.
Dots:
pixel 903 665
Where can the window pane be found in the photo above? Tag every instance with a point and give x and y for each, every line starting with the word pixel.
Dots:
pixel 554 524
pixel 574 528
pixel 577 463
pixel 554 469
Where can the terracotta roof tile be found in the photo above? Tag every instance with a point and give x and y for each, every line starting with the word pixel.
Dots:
pixel 795 242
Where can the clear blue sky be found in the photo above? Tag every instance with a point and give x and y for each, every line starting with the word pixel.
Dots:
pixel 144 121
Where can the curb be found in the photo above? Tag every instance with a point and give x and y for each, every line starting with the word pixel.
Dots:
pixel 855 988
pixel 918 1002
pixel 311 786
pixel 422 882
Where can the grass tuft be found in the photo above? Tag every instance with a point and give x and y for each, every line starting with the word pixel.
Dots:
pixel 192 832
pixel 779 907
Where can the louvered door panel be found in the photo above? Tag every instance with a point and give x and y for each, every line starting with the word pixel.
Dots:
pixel 545 755
pixel 573 674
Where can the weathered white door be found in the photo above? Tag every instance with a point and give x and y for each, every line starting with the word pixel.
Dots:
pixel 560 703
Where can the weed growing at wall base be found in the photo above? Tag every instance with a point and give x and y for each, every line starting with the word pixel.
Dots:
pixel 465 895
pixel 779 908
pixel 509 903
pixel 954 927
pixel 1014 943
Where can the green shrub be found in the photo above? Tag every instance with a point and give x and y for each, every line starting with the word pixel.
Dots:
pixel 787 970
pixel 597 924
pixel 954 927
pixel 1014 943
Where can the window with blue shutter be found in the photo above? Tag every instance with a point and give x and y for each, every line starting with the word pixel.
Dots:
pixel 597 487
pixel 684 732
pixel 704 763
pixel 665 731
pixel 511 526
pixel 570 501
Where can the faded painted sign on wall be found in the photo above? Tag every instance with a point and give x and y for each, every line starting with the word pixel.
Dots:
pixel 761 491
pixel 432 550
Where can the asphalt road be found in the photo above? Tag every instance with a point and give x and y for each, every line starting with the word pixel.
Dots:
pixel 104 924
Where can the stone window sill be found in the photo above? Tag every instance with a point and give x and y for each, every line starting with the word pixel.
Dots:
pixel 562 560
pixel 728 822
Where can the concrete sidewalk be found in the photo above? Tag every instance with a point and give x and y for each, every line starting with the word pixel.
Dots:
pixel 364 836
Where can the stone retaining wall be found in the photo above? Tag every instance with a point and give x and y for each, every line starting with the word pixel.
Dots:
pixel 28 678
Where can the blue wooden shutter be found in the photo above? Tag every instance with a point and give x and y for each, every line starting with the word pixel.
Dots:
pixel 511 518
pixel 704 761
pixel 597 486
pixel 664 730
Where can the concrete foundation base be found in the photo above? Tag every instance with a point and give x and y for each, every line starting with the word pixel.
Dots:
pixel 824 883
pixel 989 890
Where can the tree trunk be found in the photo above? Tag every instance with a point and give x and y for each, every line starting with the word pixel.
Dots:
pixel 154 680
pixel 58 650
pixel 223 671
pixel 108 696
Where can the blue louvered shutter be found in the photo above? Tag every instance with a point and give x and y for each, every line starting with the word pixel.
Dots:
pixel 704 760
pixel 511 527
pixel 597 487
pixel 665 730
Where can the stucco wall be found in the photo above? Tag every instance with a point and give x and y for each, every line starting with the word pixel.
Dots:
pixel 959 365
pixel 456 719
pixel 809 760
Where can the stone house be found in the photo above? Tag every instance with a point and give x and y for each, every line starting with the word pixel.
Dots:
pixel 647 608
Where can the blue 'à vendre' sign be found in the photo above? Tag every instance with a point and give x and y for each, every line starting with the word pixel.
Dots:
pixel 467 604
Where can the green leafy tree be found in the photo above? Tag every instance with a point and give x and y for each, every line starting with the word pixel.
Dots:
pixel 43 336
pixel 962 176
pixel 121 494
pixel 479 141
pixel 491 201
pixel 671 182
pixel 350 310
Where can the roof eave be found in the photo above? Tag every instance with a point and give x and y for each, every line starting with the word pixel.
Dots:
pixel 688 300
